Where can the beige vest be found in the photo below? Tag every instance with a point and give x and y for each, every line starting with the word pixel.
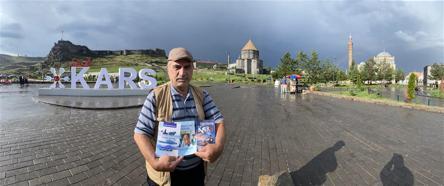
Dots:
pixel 164 111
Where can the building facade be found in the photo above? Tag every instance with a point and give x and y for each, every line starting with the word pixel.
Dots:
pixel 419 78
pixel 380 59
pixel 385 57
pixel 249 62
pixel 427 81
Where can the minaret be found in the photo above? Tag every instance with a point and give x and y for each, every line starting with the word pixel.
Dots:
pixel 228 58
pixel 350 52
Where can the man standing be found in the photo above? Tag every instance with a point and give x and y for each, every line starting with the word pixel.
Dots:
pixel 177 100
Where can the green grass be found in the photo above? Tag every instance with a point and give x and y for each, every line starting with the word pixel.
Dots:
pixel 363 96
pixel 136 61
pixel 358 93
pixel 436 93
pixel 211 76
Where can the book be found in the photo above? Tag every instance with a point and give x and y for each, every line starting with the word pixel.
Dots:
pixel 176 138
pixel 184 138
pixel 206 133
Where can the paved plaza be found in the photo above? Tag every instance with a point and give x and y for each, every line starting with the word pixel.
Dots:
pixel 318 140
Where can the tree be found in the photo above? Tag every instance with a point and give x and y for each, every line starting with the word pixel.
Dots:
pixel 313 68
pixel 354 75
pixel 328 72
pixel 341 75
pixel 300 59
pixel 275 75
pixel 399 75
pixel 411 86
pixel 437 73
pixel 285 67
pixel 368 72
pixel 385 72
pixel 353 71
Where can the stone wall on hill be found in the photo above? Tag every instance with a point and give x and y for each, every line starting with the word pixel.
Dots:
pixel 64 51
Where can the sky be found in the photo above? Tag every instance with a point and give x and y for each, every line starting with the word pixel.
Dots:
pixel 412 31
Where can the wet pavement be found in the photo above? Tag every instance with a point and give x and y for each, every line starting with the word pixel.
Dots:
pixel 319 140
pixel 109 102
pixel 397 94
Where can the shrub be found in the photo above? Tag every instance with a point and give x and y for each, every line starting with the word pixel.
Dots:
pixel 411 87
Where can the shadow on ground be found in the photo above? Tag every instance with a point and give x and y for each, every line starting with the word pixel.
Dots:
pixel 314 172
pixel 396 173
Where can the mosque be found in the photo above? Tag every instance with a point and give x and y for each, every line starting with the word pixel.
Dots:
pixel 385 57
pixel 381 58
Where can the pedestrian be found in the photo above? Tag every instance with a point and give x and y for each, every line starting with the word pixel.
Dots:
pixel 21 81
pixel 177 100
pixel 284 85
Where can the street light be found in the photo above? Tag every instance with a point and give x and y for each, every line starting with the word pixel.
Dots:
pixel 228 65
pixel 41 69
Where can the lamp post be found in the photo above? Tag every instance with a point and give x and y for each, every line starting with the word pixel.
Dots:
pixel 228 65
pixel 41 69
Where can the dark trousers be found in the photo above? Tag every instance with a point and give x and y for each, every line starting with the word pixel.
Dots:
pixel 194 176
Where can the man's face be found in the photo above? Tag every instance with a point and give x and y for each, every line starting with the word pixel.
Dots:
pixel 180 73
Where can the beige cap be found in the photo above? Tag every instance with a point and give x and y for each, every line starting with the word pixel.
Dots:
pixel 179 53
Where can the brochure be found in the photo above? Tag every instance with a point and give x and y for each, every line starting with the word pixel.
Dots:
pixel 206 133
pixel 184 138
pixel 176 138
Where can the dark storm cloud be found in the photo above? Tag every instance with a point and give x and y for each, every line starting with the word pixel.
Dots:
pixel 12 30
pixel 10 34
pixel 411 31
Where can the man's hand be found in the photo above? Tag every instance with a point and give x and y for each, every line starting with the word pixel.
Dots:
pixel 209 153
pixel 166 163
pixel 146 147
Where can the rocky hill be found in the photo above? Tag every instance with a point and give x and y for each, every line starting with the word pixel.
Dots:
pixel 63 51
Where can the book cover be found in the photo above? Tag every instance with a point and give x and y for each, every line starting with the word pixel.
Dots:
pixel 168 139
pixel 176 138
pixel 206 133
pixel 187 144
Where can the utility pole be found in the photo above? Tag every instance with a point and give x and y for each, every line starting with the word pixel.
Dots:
pixel 228 64
pixel 41 68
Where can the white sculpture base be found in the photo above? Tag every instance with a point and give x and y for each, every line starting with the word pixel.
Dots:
pixel 91 92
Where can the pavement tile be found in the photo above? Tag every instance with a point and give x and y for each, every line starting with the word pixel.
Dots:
pixel 16 171
pixel 77 178
pixel 96 146
pixel 46 179
pixel 79 169
pixel 23 183
pixel 8 180
pixel 35 181
pixel 60 175
pixel 60 182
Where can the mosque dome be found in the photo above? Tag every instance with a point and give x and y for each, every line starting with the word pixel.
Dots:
pixel 250 46
pixel 384 54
